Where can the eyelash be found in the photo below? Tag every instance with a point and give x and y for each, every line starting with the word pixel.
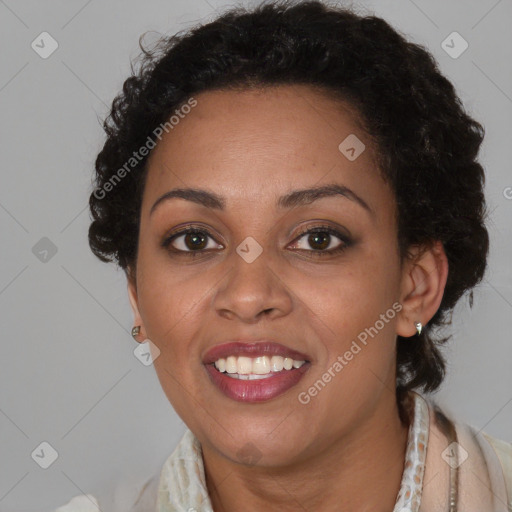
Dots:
pixel 346 242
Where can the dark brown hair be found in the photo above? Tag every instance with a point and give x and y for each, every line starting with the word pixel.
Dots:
pixel 427 144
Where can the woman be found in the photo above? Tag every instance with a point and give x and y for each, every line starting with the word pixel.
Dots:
pixel 294 194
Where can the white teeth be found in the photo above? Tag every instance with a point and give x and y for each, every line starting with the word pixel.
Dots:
pixel 276 363
pixel 261 365
pixel 231 366
pixel 248 377
pixel 244 365
pixel 248 368
pixel 221 365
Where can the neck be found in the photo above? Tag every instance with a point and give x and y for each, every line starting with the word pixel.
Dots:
pixel 362 471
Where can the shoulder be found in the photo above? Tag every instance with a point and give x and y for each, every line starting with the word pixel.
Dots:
pixel 502 448
pixel 146 500
pixel 178 477
pixel 82 503
pixel 187 451
pixel 483 456
pixel 503 451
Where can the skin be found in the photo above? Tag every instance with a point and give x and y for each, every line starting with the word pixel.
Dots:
pixel 344 450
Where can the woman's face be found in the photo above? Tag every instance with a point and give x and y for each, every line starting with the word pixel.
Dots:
pixel 252 274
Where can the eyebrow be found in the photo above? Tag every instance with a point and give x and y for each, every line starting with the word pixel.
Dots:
pixel 291 200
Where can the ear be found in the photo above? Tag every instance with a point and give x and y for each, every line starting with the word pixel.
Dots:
pixel 133 297
pixel 422 286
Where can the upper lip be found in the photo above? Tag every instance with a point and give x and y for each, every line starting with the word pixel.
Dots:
pixel 252 349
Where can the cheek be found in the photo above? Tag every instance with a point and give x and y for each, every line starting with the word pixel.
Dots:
pixel 170 313
pixel 357 306
pixel 165 285
pixel 172 310
pixel 357 293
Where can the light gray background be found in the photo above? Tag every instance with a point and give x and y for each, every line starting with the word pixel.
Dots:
pixel 67 369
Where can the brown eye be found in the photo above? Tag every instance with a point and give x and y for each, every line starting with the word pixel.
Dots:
pixel 321 241
pixel 195 240
pixel 190 240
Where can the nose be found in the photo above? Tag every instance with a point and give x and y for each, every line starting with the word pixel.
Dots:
pixel 253 289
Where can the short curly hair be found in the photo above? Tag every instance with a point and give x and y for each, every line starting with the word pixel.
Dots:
pixel 427 145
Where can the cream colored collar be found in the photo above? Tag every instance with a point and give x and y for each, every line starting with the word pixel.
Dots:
pixel 425 481
pixel 484 471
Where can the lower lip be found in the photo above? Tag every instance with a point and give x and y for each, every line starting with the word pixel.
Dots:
pixel 258 390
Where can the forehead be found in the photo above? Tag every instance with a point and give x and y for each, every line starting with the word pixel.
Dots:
pixel 255 145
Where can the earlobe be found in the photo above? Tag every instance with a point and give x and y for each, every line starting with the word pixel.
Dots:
pixel 134 301
pixel 423 282
pixel 132 296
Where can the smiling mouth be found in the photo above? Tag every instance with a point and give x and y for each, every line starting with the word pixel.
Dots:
pixel 255 368
pixel 251 387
